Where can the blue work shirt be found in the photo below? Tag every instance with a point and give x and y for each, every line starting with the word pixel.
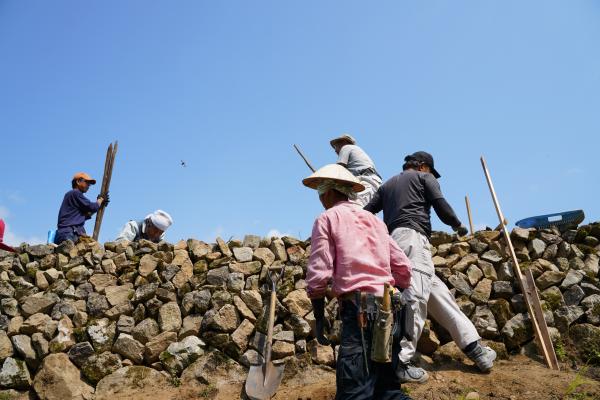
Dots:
pixel 75 210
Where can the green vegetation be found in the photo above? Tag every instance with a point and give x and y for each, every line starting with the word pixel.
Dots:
pixel 575 391
pixel 560 351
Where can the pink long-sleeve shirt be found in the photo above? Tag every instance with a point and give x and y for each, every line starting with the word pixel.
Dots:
pixel 352 248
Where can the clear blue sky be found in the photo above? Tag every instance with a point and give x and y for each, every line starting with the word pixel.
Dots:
pixel 229 86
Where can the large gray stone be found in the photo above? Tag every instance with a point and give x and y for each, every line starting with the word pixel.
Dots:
pixel 517 331
pixel 253 300
pixel 218 276
pixel 169 317
pixel 59 379
pixel 179 355
pixel 97 366
pixel 224 320
pixel 573 295
pixel 126 382
pixel 243 254
pixel 39 303
pixel 573 277
pixel 14 374
pixel 297 302
pixel 565 316
pixel 80 353
pixel 102 334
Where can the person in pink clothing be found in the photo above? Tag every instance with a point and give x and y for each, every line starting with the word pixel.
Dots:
pixel 352 251
pixel 3 246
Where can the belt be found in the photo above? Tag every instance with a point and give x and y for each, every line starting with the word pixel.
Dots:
pixel 352 296
pixel 368 171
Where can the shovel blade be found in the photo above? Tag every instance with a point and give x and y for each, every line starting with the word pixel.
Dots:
pixel 263 381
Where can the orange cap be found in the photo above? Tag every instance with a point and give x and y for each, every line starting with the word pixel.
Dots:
pixel 83 175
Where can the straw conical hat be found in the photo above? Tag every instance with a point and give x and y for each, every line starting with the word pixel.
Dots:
pixel 343 138
pixel 334 172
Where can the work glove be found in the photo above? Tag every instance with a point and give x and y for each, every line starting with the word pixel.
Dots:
pixel 461 230
pixel 321 324
pixel 105 199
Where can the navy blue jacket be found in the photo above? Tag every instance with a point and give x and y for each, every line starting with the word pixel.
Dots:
pixel 75 210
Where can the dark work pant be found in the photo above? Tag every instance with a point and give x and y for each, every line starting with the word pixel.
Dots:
pixel 66 234
pixel 352 381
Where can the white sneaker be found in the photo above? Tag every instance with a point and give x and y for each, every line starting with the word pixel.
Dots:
pixel 483 356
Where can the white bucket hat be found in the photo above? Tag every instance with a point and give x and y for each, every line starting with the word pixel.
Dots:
pixel 333 172
pixel 160 219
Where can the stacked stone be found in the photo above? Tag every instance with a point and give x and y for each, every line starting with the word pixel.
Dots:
pixel 163 306
pixel 480 274
pixel 92 310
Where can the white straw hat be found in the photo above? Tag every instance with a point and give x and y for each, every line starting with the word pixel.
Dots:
pixel 336 173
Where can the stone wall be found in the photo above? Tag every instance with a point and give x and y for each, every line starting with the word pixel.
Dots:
pixel 95 309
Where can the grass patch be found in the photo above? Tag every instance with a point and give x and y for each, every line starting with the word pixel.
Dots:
pixel 575 390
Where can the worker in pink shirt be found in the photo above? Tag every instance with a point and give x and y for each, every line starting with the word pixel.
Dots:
pixel 352 250
pixel 4 246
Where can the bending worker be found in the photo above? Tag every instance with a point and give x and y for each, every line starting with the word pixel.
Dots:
pixel 352 248
pixel 360 164
pixel 76 209
pixel 151 228
pixel 406 200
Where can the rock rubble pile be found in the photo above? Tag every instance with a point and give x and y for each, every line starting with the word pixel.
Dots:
pixel 75 318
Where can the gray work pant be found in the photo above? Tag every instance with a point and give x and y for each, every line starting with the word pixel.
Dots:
pixel 431 294
pixel 371 183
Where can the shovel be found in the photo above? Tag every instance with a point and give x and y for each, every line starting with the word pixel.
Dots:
pixel 263 380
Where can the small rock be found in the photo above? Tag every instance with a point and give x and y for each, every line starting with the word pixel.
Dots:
pixel 322 355
pixel 297 302
pixel 80 353
pixel 549 278
pixel 157 345
pixel 243 254
pixel 130 348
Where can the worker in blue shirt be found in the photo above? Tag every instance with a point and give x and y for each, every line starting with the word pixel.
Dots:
pixel 76 209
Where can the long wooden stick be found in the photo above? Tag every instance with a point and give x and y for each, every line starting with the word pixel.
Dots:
pixel 304 158
pixel 527 286
pixel 106 178
pixel 469 214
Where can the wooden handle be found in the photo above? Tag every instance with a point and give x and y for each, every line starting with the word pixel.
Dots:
pixel 271 322
pixel 386 302
pixel 469 214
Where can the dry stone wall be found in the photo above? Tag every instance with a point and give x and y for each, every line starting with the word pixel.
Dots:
pixel 80 315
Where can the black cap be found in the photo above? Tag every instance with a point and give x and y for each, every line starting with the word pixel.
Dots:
pixel 425 158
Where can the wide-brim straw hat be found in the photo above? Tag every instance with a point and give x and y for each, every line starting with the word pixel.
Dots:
pixel 334 172
pixel 344 138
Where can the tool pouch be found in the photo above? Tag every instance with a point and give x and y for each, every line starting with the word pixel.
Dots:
pixel 381 342
pixel 405 319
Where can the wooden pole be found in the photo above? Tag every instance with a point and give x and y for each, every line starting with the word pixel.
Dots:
pixel 111 152
pixel 527 286
pixel 469 214
pixel 304 158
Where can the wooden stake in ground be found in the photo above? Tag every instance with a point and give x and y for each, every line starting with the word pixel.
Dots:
pixel 111 152
pixel 469 214
pixel 528 288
